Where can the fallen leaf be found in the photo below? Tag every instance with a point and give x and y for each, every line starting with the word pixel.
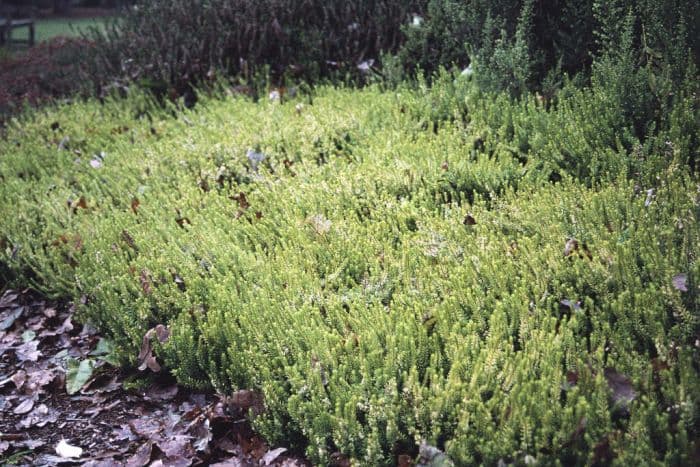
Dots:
pixel 146 427
pixel 39 378
pixel 124 432
pixel 126 236
pixel 272 455
pixel 203 436
pixel 40 416
pixel 8 299
pixel 28 335
pixel 242 201
pixel 151 363
pixel 179 281
pixel 232 462
pixel 366 66
pixel 31 443
pixel 105 351
pixel 176 446
pixel 66 451
pixel 274 96
pixel 24 407
pixel 141 457
pixel 19 378
pixel 162 393
pixel 430 456
pixel 77 374
pixel 162 333
pixel 178 461
pixel 81 203
pixel 104 462
pixel 227 445
pixel 51 460
pixel 28 352
pixel 10 318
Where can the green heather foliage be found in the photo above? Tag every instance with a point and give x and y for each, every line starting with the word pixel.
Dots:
pixel 517 44
pixel 393 271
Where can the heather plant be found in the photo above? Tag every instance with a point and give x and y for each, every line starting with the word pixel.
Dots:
pixel 515 44
pixel 505 280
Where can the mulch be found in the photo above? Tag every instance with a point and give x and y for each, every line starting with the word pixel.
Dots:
pixel 110 417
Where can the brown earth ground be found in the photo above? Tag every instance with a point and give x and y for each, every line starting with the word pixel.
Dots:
pixel 114 417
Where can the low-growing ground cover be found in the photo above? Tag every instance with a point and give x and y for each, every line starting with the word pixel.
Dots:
pixel 503 281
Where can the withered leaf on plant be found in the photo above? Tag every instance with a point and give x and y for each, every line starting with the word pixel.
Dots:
pixel 570 247
pixel 135 203
pixel 245 399
pixel 680 282
pixel 146 358
pixel 622 390
pixel 126 236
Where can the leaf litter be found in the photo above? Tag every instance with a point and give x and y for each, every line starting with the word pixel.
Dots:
pixel 63 402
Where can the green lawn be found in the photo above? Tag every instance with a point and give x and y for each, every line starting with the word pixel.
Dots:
pixel 54 27
pixel 383 267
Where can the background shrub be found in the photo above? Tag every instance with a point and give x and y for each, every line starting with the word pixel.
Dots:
pixel 171 44
pixel 47 72
pixel 517 42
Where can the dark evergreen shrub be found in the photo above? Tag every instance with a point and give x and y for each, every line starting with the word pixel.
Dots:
pixel 170 44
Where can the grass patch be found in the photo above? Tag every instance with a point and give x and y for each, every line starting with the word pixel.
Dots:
pixel 383 267
pixel 49 28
